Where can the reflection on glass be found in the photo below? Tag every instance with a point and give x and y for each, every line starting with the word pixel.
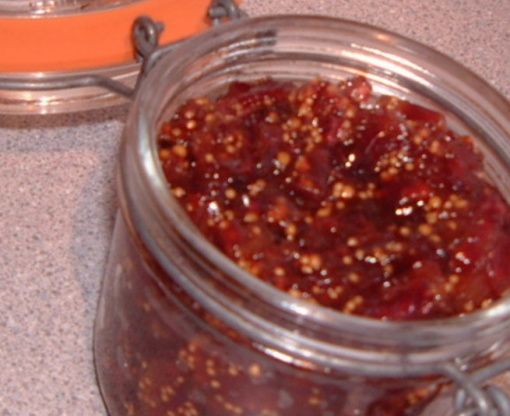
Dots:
pixel 55 7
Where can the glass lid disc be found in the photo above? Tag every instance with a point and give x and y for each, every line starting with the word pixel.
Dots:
pixel 36 8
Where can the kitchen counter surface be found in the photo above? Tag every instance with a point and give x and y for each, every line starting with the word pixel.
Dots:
pixel 58 203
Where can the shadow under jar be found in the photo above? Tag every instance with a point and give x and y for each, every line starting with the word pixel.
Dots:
pixel 182 330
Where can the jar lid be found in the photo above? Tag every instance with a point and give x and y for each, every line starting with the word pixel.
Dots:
pixel 88 38
pixel 80 38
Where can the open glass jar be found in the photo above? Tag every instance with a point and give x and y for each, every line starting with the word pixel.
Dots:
pixel 181 330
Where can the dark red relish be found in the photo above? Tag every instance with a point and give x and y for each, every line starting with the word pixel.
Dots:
pixel 366 204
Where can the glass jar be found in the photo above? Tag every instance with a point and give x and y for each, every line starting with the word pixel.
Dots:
pixel 182 330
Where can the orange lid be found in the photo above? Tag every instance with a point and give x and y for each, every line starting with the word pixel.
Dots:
pixel 93 39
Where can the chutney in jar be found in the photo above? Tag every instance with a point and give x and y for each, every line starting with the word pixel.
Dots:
pixel 367 204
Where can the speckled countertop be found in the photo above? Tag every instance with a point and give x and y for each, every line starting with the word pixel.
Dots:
pixel 57 204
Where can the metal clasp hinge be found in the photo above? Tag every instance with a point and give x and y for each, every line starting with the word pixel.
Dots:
pixel 476 397
pixel 146 33
pixel 225 9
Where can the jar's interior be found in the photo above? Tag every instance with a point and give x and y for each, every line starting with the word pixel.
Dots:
pixel 300 49
pixel 386 73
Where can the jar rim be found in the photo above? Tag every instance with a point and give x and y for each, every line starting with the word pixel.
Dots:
pixel 421 335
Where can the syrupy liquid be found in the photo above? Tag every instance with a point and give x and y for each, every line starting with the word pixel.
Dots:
pixel 366 204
